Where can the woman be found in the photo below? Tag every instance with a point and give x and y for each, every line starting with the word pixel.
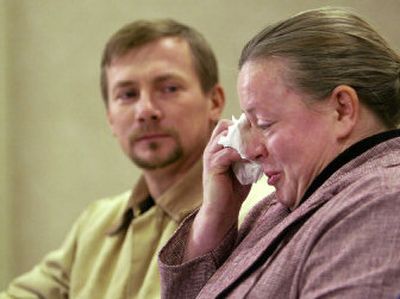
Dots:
pixel 321 92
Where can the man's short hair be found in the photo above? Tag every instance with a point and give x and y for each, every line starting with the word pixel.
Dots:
pixel 142 32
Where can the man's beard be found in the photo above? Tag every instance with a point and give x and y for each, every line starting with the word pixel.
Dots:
pixel 160 162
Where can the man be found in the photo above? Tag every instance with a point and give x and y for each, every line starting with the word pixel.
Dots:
pixel 321 94
pixel 160 86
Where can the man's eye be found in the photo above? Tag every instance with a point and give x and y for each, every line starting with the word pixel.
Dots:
pixel 171 88
pixel 128 95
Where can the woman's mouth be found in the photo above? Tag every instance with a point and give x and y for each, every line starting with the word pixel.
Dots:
pixel 273 178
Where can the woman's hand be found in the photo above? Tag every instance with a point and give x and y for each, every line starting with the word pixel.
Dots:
pixel 223 196
pixel 222 191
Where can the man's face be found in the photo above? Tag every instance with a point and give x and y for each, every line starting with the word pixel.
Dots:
pixel 156 107
pixel 292 139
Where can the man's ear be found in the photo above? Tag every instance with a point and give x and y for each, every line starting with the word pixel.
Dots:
pixel 217 102
pixel 347 110
pixel 110 120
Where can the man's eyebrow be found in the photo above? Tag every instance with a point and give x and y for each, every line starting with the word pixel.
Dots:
pixel 156 80
pixel 165 77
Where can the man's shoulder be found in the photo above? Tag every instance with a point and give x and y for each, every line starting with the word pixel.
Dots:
pixel 105 212
pixel 110 203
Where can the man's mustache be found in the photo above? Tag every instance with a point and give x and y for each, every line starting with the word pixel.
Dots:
pixel 148 130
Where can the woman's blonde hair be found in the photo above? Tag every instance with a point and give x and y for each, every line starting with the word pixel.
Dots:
pixel 328 47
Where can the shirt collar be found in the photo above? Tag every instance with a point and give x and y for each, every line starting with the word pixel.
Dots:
pixel 185 195
pixel 178 201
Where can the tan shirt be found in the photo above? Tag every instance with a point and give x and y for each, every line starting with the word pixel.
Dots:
pixel 105 256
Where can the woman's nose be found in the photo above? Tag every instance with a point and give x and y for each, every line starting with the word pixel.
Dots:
pixel 254 146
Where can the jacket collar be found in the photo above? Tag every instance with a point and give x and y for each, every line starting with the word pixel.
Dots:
pixel 349 154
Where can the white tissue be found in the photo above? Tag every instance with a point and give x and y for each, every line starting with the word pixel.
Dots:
pixel 247 172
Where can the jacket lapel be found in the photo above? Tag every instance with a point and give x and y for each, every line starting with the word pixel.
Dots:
pixel 256 248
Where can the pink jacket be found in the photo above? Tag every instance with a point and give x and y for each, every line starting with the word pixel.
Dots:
pixel 342 242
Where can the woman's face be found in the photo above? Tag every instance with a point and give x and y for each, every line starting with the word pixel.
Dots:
pixel 292 136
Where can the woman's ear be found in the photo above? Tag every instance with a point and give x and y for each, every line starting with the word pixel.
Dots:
pixel 347 110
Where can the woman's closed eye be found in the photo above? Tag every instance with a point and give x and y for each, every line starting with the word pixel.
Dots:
pixel 264 125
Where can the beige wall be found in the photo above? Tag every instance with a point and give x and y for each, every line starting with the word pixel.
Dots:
pixel 5 179
pixel 62 155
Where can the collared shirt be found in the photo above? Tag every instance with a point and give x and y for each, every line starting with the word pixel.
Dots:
pixel 111 251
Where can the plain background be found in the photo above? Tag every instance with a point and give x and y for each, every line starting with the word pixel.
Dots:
pixel 56 152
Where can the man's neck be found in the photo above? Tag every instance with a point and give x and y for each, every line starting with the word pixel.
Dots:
pixel 160 180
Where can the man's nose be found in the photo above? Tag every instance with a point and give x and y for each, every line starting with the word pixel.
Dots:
pixel 146 109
